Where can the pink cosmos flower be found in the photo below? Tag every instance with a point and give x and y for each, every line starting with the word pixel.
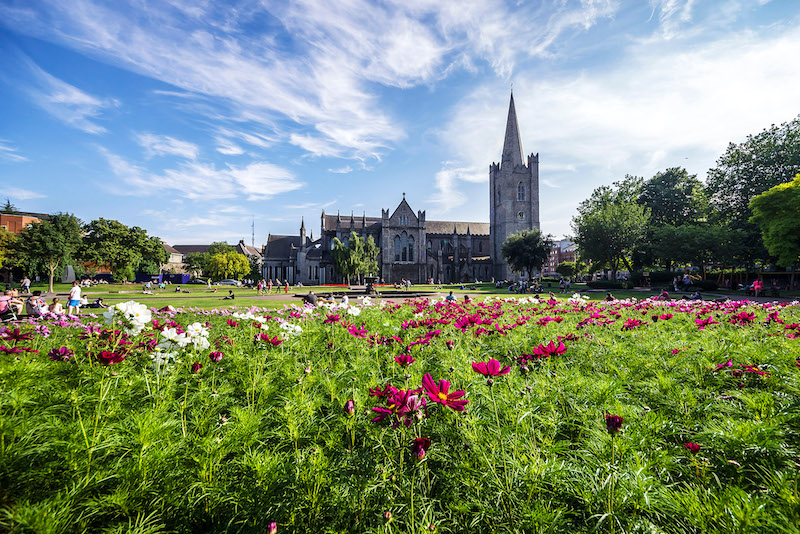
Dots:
pixel 404 359
pixel 694 448
pixel 551 349
pixel 62 354
pixel 215 356
pixel 420 447
pixel 725 365
pixel 272 527
pixel 702 323
pixel 350 407
pixel 613 423
pixel 441 393
pixel 196 366
pixel 107 357
pixel 490 368
pixel 232 323
pixel 332 319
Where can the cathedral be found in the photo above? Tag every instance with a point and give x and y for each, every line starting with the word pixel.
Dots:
pixel 418 249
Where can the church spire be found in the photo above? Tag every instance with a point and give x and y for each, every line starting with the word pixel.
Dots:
pixel 512 147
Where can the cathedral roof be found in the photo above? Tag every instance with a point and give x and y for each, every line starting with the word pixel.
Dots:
pixel 512 146
pixel 281 246
pixel 446 228
pixel 330 222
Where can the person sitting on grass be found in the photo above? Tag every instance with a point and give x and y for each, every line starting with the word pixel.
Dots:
pixel 56 307
pixel 230 296
pixel 696 296
pixel 450 297
pixel 609 297
pixel 311 298
pixel 35 305
pixel 664 295
pixel 467 299
pixel 12 301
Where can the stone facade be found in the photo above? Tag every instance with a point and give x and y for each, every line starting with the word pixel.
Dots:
pixel 415 248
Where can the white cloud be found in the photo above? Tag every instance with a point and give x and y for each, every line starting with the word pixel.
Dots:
pixel 162 145
pixel 198 181
pixel 66 102
pixel 10 153
pixel 326 83
pixel 18 193
pixel 228 147
pixel 342 170
pixel 658 106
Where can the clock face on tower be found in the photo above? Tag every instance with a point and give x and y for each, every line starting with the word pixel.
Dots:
pixel 521 215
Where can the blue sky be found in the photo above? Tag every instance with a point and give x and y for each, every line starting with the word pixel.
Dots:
pixel 192 119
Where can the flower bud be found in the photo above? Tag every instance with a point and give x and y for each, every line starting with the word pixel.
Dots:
pixel 196 366
pixel 350 407
pixel 272 527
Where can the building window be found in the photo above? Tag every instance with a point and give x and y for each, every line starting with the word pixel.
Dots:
pixel 404 246
pixel 397 247
pixel 410 248
pixel 520 192
pixel 480 246
pixel 429 244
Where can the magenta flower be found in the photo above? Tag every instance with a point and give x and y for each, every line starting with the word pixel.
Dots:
pixel 631 324
pixel 107 357
pixel 725 365
pixel 215 356
pixel 404 359
pixel 62 354
pixel 420 447
pixel 232 323
pixel 274 341
pixel 196 366
pixel 490 368
pixel 613 423
pixel 551 349
pixel 330 319
pixel 441 393
pixel 386 392
pixel 272 527
pixel 702 323
pixel 16 335
pixel 665 316
pixel 694 448
pixel 350 407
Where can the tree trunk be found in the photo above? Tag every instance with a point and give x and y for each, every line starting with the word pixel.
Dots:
pixel 52 267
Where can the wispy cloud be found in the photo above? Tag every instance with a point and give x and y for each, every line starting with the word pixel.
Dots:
pixel 10 153
pixel 342 170
pixel 18 193
pixel 341 52
pixel 66 102
pixel 162 145
pixel 196 180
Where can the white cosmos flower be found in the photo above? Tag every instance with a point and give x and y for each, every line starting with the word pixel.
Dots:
pixel 354 311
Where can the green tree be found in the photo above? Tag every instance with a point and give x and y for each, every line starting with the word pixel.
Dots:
pixel 609 227
pixel 219 247
pixel 674 197
pixel 527 250
pixel 121 248
pixel 8 207
pixel 228 265
pixel 50 244
pixel 777 213
pixel 567 269
pixel 7 240
pixel 197 262
pixel 748 169
pixel 356 257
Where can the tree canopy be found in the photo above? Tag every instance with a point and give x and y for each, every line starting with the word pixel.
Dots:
pixel 219 247
pixel 674 197
pixel 227 265
pixel 48 245
pixel 609 226
pixel 777 213
pixel 121 248
pixel 527 251
pixel 355 258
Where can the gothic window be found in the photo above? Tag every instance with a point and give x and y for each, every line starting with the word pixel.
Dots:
pixel 397 248
pixel 404 247
pixel 430 245
pixel 520 192
pixel 480 246
pixel 410 248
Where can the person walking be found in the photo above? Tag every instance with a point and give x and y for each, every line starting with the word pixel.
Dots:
pixel 26 285
pixel 286 286
pixel 74 301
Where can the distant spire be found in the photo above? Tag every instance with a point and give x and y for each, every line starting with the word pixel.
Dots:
pixel 512 147
pixel 302 224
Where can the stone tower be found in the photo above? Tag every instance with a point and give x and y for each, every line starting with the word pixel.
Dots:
pixel 513 195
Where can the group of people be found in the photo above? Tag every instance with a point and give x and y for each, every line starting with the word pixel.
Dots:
pixel 264 287
pixel 36 305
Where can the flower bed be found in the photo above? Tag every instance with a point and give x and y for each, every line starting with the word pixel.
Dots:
pixel 513 414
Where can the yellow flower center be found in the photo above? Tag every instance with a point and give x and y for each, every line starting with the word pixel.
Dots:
pixel 442 396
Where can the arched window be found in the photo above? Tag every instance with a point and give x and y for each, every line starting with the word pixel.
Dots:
pixel 397 247
pixel 480 246
pixel 410 248
pixel 404 246
pixel 430 245
pixel 520 192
